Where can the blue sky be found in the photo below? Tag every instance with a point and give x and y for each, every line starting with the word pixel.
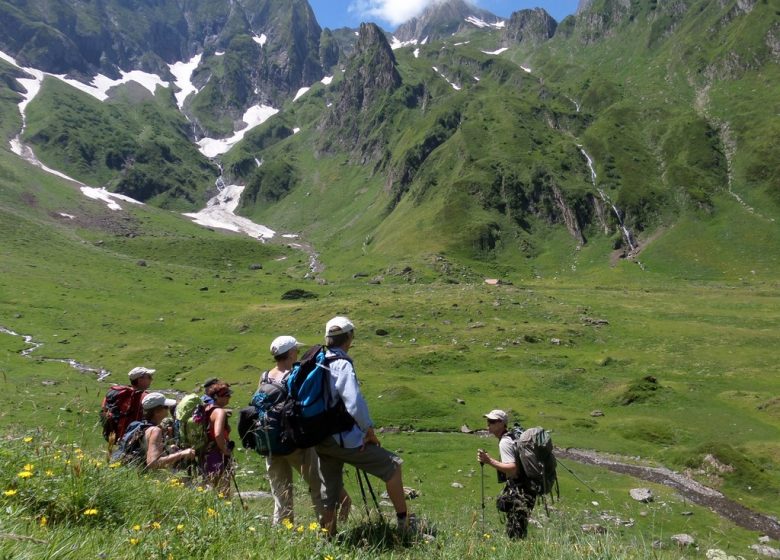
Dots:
pixel 388 14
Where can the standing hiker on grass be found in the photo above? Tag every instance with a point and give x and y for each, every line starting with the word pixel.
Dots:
pixel 518 497
pixel 217 461
pixel 284 349
pixel 357 446
pixel 156 408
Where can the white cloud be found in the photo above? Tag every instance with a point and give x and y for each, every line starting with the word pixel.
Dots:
pixel 394 12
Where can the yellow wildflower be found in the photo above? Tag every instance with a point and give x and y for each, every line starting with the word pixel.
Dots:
pixel 115 465
pixel 49 472
pixel 155 525
pixel 28 439
pixel 44 521
pixel 314 526
pixel 9 493
pixel 136 527
pixel 212 512
pixel 91 511
pixel 220 495
pixel 300 528
pixel 180 527
pixel 486 536
pixel 252 529
pixel 134 541
pixel 24 474
pixel 28 467
pixel 201 489
pixel 287 524
pixel 329 557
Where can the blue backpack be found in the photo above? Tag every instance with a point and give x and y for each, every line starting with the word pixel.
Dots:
pixel 308 416
pixel 265 433
pixel 130 450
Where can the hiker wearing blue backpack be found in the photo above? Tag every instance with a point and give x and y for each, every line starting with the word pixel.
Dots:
pixel 518 498
pixel 281 460
pixel 356 445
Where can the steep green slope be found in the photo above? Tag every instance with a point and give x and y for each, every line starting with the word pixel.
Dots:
pixel 135 143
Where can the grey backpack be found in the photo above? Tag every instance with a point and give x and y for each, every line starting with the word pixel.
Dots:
pixel 534 452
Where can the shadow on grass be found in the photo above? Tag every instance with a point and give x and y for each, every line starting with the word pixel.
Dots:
pixel 379 535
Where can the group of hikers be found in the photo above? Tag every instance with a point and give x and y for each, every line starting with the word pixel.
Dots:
pixel 316 446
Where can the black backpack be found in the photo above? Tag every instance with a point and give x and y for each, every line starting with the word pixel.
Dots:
pixel 308 416
pixel 533 450
pixel 130 451
pixel 261 425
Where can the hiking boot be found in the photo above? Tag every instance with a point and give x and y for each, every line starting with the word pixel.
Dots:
pixel 408 525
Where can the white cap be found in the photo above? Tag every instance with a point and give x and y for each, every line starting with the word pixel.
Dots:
pixel 139 371
pixel 282 344
pixel 338 325
pixel 497 414
pixel 153 400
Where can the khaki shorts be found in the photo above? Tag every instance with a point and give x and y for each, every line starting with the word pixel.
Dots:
pixel 373 459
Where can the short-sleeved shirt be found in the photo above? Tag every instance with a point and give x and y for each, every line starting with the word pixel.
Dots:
pixel 506 446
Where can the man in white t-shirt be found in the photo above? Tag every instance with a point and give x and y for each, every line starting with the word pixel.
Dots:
pixel 517 498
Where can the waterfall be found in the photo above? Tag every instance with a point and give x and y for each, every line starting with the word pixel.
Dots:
pixel 627 236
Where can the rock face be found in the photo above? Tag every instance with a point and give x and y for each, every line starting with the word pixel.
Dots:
pixel 442 19
pixel 530 27
pixel 352 122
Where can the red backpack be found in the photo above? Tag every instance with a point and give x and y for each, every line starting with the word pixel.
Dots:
pixel 121 405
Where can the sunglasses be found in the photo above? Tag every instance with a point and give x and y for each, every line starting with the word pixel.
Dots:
pixel 493 421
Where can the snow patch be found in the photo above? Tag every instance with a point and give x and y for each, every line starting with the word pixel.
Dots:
pixel 107 197
pixel 460 44
pixel 301 92
pixel 220 213
pixel 476 78
pixel 260 39
pixel 416 53
pixel 296 130
pixel 254 116
pixel 327 80
pixel 499 51
pixel 455 86
pixel 219 53
pixel 182 71
pixel 69 216
pixel 526 69
pixel 398 44
pixel 474 20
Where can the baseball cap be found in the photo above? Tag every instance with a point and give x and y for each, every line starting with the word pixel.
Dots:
pixel 338 325
pixel 497 414
pixel 282 344
pixel 209 382
pixel 139 371
pixel 153 400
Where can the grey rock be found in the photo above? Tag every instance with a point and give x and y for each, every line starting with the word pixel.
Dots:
pixel 465 429
pixel 764 550
pixel 555 341
pixel 456 485
pixel 658 544
pixel 140 262
pixel 597 413
pixel 644 495
pixel 593 528
pixel 381 332
pixel 686 513
pixel 683 540
pixel 460 401
pixel 256 266
pixel 764 539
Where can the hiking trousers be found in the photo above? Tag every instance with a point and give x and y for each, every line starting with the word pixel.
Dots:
pixel 517 516
pixel 280 473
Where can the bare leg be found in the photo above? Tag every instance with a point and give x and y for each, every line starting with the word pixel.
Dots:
pixel 345 504
pixel 395 491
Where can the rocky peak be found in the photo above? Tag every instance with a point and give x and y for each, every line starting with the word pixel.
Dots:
pixel 530 26
pixel 442 19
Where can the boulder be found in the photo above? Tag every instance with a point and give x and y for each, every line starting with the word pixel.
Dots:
pixel 683 540
pixel 456 485
pixel 256 266
pixel 597 413
pixel 465 429
pixel 644 495
pixel 764 550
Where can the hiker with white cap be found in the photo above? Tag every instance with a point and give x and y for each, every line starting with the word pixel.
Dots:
pixel 156 408
pixel 122 404
pixel 358 445
pixel 517 499
pixel 280 466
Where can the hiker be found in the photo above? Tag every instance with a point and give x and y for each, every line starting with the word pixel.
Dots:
pixel 206 385
pixel 218 456
pixel 156 408
pixel 284 350
pixel 122 404
pixel 518 497
pixel 357 446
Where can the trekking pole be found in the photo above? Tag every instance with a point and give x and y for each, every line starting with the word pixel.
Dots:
pixel 482 480
pixel 571 472
pixel 371 491
pixel 362 492
pixel 233 476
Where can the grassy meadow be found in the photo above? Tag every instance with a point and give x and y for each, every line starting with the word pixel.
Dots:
pixel 144 286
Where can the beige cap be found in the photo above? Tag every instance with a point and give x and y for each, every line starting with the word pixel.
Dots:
pixel 497 414
pixel 139 371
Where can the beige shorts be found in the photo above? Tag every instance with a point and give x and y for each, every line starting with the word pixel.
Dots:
pixel 373 459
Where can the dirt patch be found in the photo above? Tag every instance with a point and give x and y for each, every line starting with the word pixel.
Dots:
pixel 689 488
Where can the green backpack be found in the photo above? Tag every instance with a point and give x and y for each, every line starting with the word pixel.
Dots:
pixel 191 424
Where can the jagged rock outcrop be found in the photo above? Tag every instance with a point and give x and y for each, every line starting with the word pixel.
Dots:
pixel 355 122
pixel 531 27
pixel 442 19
